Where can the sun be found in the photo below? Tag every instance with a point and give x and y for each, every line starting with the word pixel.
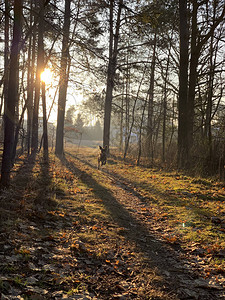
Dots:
pixel 46 76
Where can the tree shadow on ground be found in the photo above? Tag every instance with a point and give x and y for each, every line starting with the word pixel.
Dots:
pixel 12 198
pixel 170 200
pixel 28 233
pixel 160 256
pixel 30 190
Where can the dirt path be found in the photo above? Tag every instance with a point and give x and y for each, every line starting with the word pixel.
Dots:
pixel 101 241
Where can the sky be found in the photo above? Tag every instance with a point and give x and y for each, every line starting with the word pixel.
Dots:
pixel 74 97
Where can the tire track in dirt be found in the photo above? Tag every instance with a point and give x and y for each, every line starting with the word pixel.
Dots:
pixel 130 211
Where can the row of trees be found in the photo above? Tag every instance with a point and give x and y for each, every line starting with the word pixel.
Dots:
pixel 166 71
pixel 154 69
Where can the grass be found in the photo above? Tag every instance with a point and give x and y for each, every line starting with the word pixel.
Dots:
pixel 74 194
pixel 189 205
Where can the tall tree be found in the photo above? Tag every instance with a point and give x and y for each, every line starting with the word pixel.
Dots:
pixel 39 70
pixel 6 52
pixel 183 86
pixel 198 41
pixel 59 148
pixel 112 63
pixel 150 101
pixel 30 77
pixel 165 107
pixel 45 122
pixel 9 116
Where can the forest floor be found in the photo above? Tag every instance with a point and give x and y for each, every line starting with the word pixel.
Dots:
pixel 71 231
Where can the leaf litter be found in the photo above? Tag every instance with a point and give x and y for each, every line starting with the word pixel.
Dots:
pixel 80 233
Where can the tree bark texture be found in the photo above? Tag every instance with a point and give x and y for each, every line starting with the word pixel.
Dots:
pixel 113 52
pixel 195 52
pixel 30 79
pixel 149 144
pixel 45 127
pixel 183 87
pixel 6 53
pixel 59 148
pixel 40 66
pixel 9 116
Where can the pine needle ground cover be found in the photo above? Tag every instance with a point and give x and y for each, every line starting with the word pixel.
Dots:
pixel 69 231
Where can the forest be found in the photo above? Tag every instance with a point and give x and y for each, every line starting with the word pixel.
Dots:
pixel 146 80
pixel 151 70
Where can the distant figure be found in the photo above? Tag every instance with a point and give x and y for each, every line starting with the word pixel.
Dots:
pixel 102 156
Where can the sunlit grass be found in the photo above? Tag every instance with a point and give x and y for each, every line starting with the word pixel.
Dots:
pixel 188 204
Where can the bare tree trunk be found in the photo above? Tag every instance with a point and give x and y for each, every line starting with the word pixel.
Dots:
pixel 30 80
pixel 157 123
pixel 164 127
pixel 165 109
pixel 29 96
pixel 172 127
pixel 17 132
pixel 45 126
pixel 113 46
pixel 209 102
pixel 192 78
pixel 5 78
pixel 121 121
pixel 183 87
pixel 59 148
pixel 127 100
pixel 9 116
pixel 6 54
pixel 140 134
pixel 40 65
pixel 149 144
pixel 208 120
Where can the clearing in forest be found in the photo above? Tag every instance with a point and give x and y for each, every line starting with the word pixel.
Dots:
pixel 71 231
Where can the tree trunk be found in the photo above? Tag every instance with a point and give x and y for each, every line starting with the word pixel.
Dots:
pixel 9 116
pixel 208 119
pixel 59 148
pixel 172 126
pixel 127 100
pixel 192 77
pixel 165 109
pixel 157 123
pixel 40 65
pixel 121 122
pixel 140 134
pixel 164 126
pixel 183 87
pixel 45 127
pixel 30 80
pixel 6 53
pixel 113 46
pixel 150 103
pixel 17 132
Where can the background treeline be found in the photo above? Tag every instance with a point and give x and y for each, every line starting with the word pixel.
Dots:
pixel 151 71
